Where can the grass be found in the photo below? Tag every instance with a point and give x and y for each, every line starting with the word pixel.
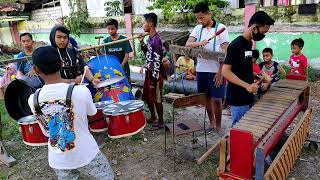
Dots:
pixel 10 128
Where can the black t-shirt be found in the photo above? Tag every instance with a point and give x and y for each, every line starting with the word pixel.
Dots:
pixel 71 68
pixel 239 56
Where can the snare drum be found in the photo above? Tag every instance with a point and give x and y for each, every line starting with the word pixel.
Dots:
pixel 97 123
pixel 126 118
pixel 31 131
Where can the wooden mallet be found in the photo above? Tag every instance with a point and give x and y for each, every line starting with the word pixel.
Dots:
pixel 84 73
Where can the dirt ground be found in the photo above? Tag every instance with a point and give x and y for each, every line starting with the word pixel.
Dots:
pixel 143 156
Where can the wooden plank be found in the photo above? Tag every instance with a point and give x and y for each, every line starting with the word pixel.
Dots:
pixel 187 101
pixel 266 98
pixel 275 104
pixel 223 155
pixel 257 122
pixel 250 125
pixel 260 118
pixel 290 149
pixel 27 58
pixel 271 108
pixel 196 52
pixel 263 109
pixel 281 169
pixel 257 114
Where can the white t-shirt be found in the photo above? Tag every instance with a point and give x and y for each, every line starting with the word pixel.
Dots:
pixel 204 65
pixel 70 145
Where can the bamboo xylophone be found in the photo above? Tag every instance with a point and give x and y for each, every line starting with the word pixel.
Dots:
pixel 260 129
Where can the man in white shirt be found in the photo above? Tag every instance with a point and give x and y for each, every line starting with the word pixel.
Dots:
pixel 209 78
pixel 71 147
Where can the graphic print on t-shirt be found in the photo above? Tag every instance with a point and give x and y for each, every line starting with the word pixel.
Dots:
pixel 57 121
pixel 295 66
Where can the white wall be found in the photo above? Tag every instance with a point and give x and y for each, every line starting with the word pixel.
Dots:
pixel 52 13
pixel 140 7
pixel 5 34
pixel 234 3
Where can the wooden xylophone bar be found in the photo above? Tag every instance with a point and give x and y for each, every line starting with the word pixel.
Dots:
pixel 284 161
pixel 261 128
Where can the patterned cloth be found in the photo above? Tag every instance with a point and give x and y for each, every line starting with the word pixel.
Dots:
pixel 99 168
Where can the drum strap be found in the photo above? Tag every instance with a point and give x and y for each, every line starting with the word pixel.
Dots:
pixel 36 98
pixel 36 105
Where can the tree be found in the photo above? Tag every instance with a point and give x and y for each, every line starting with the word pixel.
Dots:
pixel 171 7
pixel 78 18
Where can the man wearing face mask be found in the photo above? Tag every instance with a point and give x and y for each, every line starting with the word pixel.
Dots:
pixel 237 68
pixel 72 63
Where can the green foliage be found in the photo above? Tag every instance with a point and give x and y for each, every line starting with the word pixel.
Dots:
pixel 137 137
pixel 77 20
pixel 171 7
pixel 312 74
pixel 113 8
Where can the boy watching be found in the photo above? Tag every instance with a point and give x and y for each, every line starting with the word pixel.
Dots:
pixel 298 62
pixel 255 57
pixel 25 67
pixel 121 50
pixel 185 66
pixel 71 147
pixel 270 68
pixel 152 89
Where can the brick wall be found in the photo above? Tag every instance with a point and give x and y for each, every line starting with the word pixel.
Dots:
pixel 46 14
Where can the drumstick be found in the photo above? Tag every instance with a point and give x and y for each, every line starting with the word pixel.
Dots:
pixel 110 43
pixel 84 73
pixel 217 33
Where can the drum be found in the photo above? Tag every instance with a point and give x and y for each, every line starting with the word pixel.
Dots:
pixel 106 67
pixel 126 118
pixel 17 95
pixel 98 123
pixel 31 132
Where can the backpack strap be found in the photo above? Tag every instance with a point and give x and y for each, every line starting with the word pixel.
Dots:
pixel 215 39
pixel 69 94
pixel 215 31
pixel 36 102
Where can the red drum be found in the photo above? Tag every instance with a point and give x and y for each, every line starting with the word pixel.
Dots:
pixel 31 132
pixel 98 123
pixel 126 118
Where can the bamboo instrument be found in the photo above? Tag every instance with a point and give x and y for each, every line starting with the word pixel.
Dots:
pixel 110 43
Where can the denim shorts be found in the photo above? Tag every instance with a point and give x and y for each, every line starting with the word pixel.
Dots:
pixel 205 84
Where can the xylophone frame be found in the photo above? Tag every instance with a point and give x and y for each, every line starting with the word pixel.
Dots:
pixel 249 160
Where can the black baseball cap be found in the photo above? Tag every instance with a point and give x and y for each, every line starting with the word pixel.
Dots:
pixel 47 59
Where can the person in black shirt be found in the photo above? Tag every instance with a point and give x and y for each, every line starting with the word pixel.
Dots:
pixel 237 68
pixel 72 63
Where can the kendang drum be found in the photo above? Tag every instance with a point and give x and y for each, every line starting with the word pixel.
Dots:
pixel 17 95
pixel 98 123
pixel 107 67
pixel 31 132
pixel 126 118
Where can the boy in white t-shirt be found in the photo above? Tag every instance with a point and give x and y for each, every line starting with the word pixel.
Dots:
pixel 209 78
pixel 71 147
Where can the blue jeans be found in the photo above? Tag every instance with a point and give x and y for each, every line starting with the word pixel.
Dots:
pixel 237 112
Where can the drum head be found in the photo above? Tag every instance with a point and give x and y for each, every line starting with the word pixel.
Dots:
pixel 123 107
pixel 17 95
pixel 28 120
pixel 102 104
pixel 109 82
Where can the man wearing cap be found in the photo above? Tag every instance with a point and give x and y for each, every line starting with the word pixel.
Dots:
pixel 71 147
